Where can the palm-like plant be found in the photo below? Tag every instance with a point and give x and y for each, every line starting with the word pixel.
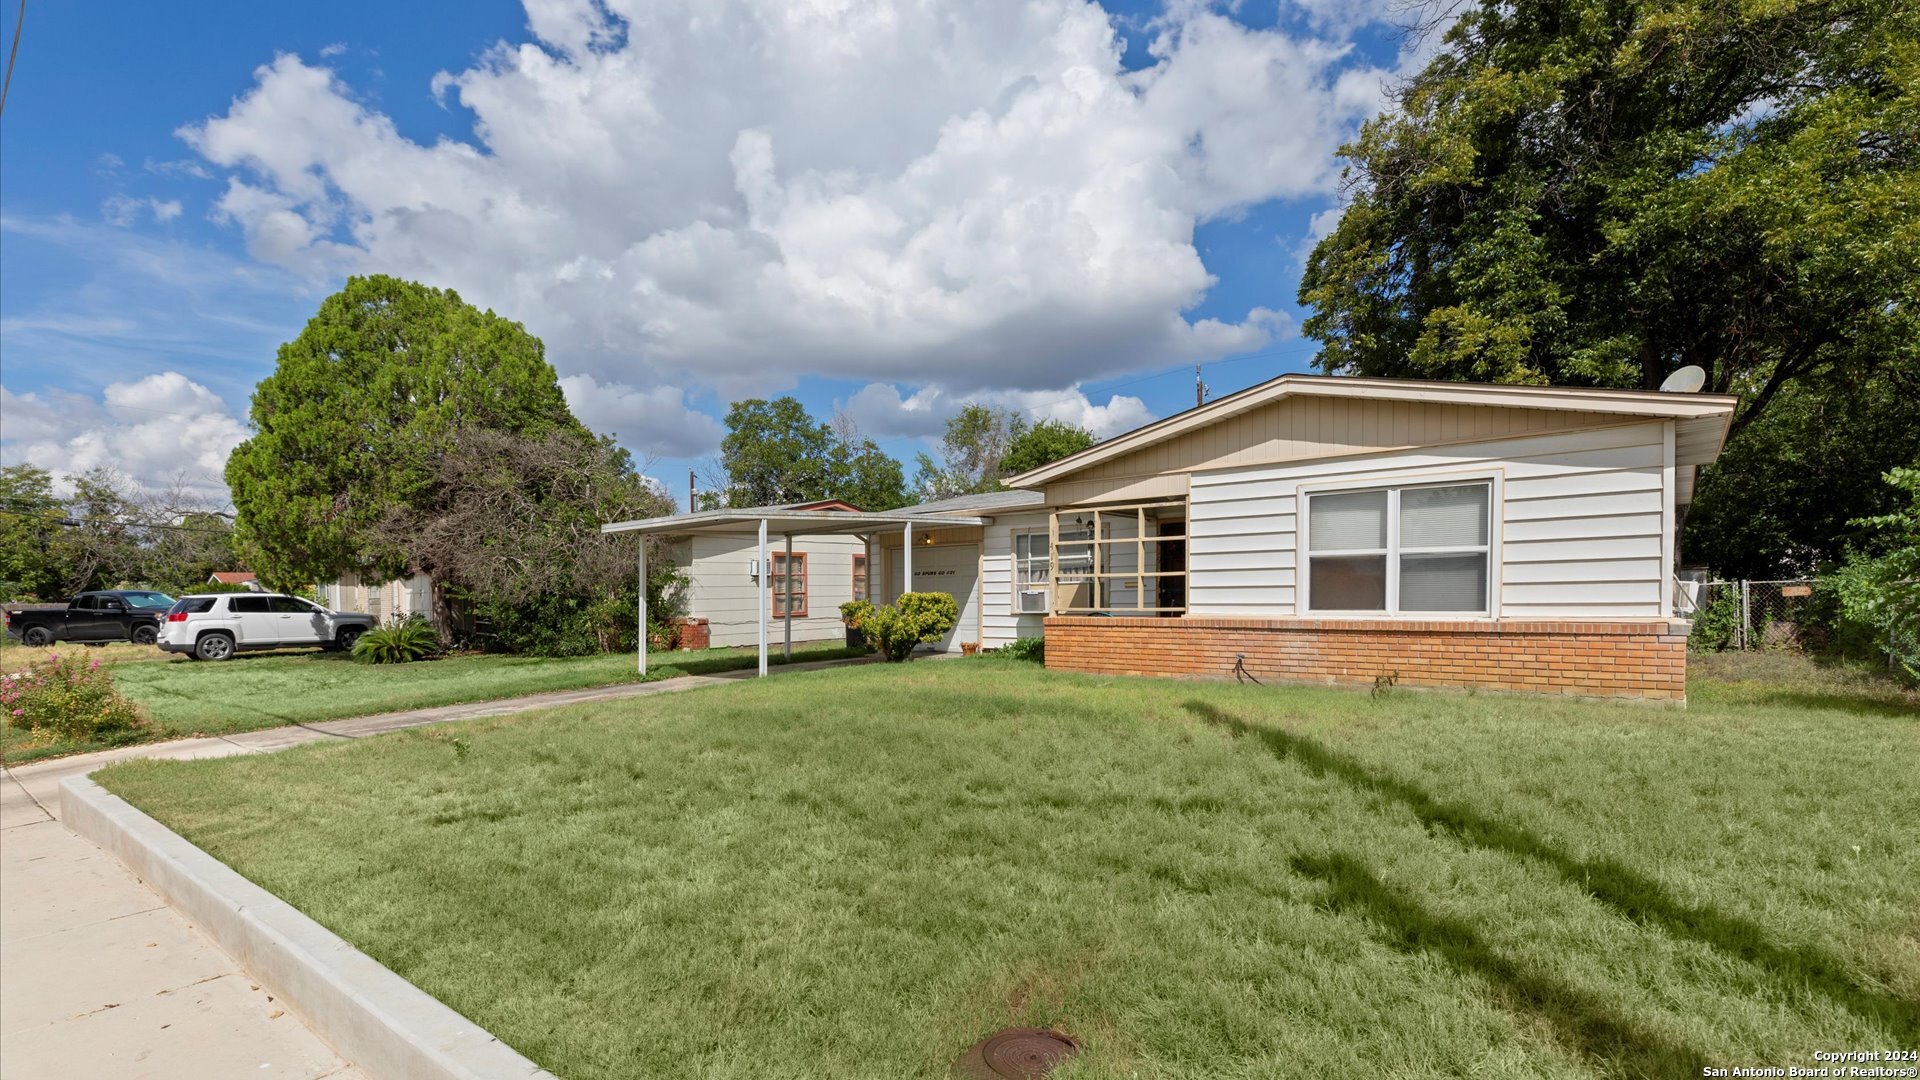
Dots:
pixel 402 642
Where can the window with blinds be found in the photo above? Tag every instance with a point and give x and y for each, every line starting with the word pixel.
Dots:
pixel 1413 550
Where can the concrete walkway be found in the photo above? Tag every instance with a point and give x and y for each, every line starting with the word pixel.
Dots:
pixel 101 978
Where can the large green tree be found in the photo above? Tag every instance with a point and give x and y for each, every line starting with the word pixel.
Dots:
pixel 358 411
pixel 775 452
pixel 1042 444
pixel 973 451
pixel 30 534
pixel 1597 192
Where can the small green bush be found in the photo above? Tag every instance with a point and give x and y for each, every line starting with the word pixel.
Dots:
pixel 68 699
pixel 855 612
pixel 914 619
pixel 402 642
pixel 1026 648
pixel 1716 625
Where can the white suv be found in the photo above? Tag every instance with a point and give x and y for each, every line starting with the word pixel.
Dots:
pixel 215 626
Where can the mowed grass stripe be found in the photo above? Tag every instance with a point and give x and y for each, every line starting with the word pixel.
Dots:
pixel 262 690
pixel 860 872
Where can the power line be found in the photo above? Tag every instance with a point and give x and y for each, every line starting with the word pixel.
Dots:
pixel 13 55
pixel 75 523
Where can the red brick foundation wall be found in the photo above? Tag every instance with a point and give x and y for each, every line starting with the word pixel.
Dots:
pixel 692 633
pixel 1637 659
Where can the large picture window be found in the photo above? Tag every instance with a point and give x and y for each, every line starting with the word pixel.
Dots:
pixel 859 577
pixel 781 602
pixel 1413 550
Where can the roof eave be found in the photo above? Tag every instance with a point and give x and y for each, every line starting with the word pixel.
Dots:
pixel 1649 403
pixel 829 521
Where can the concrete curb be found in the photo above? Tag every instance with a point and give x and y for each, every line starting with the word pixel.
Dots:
pixel 374 1018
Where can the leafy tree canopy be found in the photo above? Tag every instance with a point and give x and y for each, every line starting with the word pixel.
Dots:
pixel 1783 499
pixel 360 407
pixel 775 452
pixel 108 533
pixel 972 452
pixel 30 518
pixel 1042 444
pixel 1597 193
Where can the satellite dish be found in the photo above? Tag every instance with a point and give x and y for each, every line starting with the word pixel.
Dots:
pixel 1688 380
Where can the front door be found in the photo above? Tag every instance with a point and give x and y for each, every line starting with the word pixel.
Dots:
pixel 1172 555
pixel 953 569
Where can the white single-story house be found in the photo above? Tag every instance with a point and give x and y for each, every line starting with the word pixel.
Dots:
pixel 724 579
pixel 384 600
pixel 1324 529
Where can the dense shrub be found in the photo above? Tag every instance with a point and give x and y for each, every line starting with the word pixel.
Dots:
pixel 1883 591
pixel 70 700
pixel 570 624
pixel 402 642
pixel 1716 625
pixel 1026 648
pixel 914 619
pixel 855 612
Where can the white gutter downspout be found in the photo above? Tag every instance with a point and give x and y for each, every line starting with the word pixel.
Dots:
pixel 642 569
pixel 765 586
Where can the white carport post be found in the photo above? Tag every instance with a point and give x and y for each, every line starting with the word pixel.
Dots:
pixel 786 606
pixel 765 586
pixel 906 560
pixel 641 564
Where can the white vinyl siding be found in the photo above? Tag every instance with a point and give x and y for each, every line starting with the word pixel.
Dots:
pixel 1000 624
pixel 1581 521
pixel 722 590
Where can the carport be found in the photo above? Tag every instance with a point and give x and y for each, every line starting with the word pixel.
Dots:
pixel 764 521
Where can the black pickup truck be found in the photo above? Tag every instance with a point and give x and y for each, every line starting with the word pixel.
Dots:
pixel 93 618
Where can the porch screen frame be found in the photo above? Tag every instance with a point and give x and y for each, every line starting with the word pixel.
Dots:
pixel 1096 545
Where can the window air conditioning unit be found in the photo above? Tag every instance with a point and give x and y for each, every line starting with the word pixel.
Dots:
pixel 1031 602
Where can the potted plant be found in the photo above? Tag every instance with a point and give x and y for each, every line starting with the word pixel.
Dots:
pixel 853 613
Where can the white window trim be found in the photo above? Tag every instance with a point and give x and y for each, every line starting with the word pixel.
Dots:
pixel 1015 584
pixel 1302 553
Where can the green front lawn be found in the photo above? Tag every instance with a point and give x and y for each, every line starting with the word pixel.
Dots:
pixel 182 697
pixel 860 872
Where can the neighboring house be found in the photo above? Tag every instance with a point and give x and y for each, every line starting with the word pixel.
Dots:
pixel 1327 529
pixel 384 600
pixel 234 577
pixel 723 578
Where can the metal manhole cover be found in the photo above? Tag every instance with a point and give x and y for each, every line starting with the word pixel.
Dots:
pixel 1017 1052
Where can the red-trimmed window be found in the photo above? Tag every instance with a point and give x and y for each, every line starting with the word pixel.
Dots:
pixel 779 585
pixel 859 577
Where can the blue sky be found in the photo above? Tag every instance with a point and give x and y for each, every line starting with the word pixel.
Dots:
pixel 888 211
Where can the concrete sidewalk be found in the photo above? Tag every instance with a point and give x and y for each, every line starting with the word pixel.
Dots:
pixel 101 978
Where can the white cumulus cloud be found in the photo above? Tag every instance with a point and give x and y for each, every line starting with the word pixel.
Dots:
pixel 702 194
pixel 882 411
pixel 159 431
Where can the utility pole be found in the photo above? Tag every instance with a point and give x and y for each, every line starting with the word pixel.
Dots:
pixel 1199 388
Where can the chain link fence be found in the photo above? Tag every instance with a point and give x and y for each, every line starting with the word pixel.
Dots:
pixel 1753 614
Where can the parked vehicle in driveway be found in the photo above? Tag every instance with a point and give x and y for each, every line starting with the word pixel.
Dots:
pixel 218 626
pixel 92 618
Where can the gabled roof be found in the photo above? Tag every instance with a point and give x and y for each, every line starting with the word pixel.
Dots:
pixel 978 504
pixel 1703 418
pixel 783 520
pixel 233 577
